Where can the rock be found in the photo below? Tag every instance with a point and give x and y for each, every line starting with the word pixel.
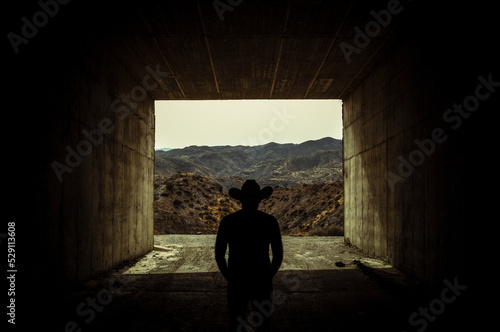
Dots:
pixel 339 264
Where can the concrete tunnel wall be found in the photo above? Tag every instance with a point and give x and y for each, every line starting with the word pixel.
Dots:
pixel 106 203
pixel 416 204
pixel 384 216
pixel 91 206
pixel 102 210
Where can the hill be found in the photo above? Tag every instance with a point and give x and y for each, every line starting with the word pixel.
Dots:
pixel 187 203
pixel 274 164
pixel 308 209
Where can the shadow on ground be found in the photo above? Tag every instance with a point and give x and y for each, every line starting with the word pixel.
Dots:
pixel 356 293
pixel 326 300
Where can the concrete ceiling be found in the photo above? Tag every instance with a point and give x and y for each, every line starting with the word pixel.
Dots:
pixel 258 50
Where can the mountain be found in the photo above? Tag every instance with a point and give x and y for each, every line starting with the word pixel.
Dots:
pixel 187 203
pixel 271 164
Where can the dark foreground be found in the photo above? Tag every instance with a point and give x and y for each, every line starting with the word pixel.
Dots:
pixel 323 285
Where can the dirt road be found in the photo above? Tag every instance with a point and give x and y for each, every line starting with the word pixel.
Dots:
pixel 195 254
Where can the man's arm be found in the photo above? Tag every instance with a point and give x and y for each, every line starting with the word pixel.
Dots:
pixel 277 249
pixel 220 252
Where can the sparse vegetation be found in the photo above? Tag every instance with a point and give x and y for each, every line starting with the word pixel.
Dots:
pixel 188 203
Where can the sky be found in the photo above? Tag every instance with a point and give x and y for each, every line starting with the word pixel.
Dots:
pixel 181 123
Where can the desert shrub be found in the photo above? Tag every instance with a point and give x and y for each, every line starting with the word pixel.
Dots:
pixel 211 218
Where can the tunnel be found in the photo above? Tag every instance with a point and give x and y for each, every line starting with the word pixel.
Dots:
pixel 418 81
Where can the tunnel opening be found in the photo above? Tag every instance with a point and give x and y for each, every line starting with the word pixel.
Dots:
pixel 294 146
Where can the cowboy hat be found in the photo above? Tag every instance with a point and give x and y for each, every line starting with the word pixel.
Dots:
pixel 250 190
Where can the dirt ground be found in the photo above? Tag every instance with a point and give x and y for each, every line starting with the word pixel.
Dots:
pixel 323 285
pixel 195 254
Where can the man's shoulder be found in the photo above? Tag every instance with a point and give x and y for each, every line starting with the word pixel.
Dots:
pixel 232 216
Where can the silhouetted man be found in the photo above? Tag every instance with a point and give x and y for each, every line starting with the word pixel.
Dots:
pixel 249 271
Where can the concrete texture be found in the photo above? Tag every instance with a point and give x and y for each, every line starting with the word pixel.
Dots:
pixel 411 194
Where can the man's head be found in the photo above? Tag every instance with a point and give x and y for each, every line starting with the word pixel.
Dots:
pixel 250 194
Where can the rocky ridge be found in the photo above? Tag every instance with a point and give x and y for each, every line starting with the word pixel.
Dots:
pixel 286 165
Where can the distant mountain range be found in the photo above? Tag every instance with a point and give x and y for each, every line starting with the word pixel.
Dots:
pixel 286 165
